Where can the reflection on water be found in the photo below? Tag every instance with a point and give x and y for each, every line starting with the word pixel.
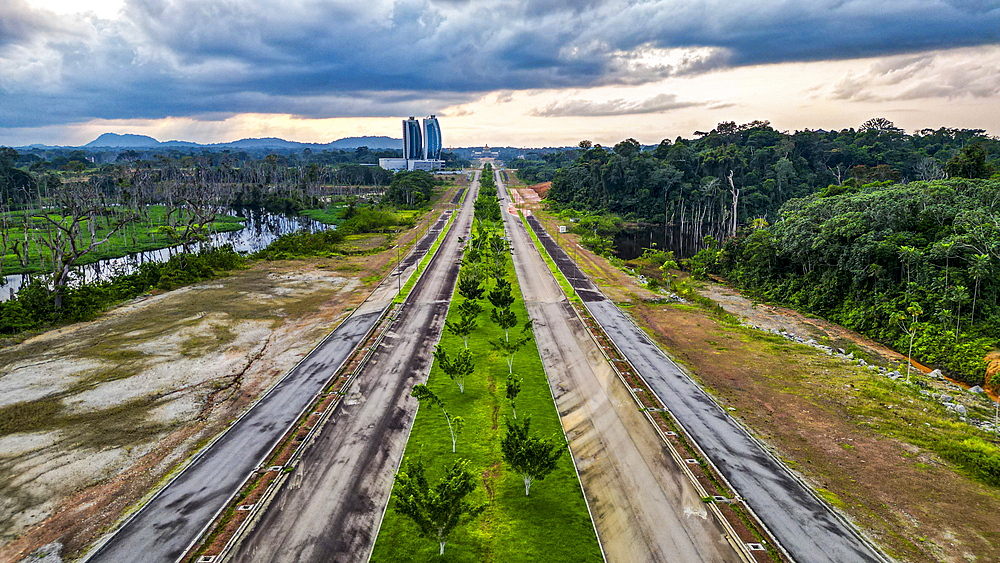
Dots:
pixel 629 244
pixel 261 228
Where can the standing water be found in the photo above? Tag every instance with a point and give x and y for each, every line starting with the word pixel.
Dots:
pixel 261 228
pixel 630 243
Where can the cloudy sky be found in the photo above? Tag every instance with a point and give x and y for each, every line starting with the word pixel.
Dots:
pixel 502 72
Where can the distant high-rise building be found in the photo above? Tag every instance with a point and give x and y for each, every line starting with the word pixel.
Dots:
pixel 432 138
pixel 413 146
pixel 421 147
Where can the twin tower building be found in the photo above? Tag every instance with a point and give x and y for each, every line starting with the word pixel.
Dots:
pixel 421 146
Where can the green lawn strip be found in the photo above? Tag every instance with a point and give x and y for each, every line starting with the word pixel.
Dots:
pixel 129 240
pixel 332 215
pixel 553 524
pixel 563 282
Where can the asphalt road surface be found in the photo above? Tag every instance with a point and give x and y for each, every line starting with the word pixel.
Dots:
pixel 805 527
pixel 644 507
pixel 165 527
pixel 332 507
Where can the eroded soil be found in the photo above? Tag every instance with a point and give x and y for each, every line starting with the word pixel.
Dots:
pixel 94 416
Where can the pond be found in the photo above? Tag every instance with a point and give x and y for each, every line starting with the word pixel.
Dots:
pixel 630 243
pixel 261 228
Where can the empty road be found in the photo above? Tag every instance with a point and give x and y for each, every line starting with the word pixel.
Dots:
pixel 165 527
pixel 331 508
pixel 644 507
pixel 804 526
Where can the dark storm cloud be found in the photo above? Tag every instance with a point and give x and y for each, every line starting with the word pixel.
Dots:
pixel 319 58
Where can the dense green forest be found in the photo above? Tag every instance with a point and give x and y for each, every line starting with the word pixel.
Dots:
pixel 734 174
pixel 888 260
pixel 894 235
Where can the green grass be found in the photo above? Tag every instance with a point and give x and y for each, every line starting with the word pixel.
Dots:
pixel 552 524
pixel 331 215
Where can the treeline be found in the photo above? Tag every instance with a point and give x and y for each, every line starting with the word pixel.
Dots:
pixel 906 264
pixel 734 174
pixel 487 207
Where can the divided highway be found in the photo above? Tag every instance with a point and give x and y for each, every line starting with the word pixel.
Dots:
pixel 166 526
pixel 644 507
pixel 806 528
pixel 332 507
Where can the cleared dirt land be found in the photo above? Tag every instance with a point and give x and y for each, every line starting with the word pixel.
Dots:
pixel 93 416
pixel 857 438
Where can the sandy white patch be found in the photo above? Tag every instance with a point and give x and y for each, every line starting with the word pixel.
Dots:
pixel 29 381
pixel 15 445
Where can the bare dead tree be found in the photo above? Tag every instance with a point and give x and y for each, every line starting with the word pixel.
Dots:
pixel 70 226
pixel 736 198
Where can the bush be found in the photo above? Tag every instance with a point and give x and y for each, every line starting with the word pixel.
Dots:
pixel 296 245
pixel 975 455
pixel 367 220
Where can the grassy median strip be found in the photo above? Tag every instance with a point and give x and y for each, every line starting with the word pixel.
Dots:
pixel 552 524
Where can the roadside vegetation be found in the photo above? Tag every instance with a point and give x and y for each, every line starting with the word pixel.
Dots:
pixel 507 520
pixel 887 233
pixel 911 265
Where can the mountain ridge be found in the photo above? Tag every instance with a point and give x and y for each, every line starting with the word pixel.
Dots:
pixel 133 141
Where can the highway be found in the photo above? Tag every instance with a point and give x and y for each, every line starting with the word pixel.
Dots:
pixel 644 507
pixel 166 526
pixel 805 527
pixel 333 505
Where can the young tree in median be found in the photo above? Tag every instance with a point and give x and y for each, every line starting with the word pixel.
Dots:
pixel 531 456
pixel 470 282
pixel 505 319
pixel 423 393
pixel 439 510
pixel 463 328
pixel 456 367
pixel 510 347
pixel 501 296
pixel 513 388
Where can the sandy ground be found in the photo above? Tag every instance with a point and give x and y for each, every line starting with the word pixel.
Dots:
pixel 94 415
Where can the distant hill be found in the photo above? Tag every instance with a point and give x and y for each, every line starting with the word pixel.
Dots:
pixel 370 142
pixel 114 140
pixel 122 141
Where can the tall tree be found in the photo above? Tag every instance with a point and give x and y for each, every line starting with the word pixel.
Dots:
pixel 439 510
pixel 74 229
